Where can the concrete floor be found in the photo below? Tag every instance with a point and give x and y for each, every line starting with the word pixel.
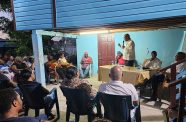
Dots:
pixel 150 111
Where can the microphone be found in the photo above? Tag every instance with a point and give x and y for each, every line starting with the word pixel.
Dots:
pixel 123 43
pixel 147 51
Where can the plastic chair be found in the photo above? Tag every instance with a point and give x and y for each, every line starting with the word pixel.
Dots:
pixel 34 97
pixel 78 103
pixel 117 107
pixel 90 73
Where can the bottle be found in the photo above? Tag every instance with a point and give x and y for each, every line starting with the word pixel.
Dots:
pixel 112 62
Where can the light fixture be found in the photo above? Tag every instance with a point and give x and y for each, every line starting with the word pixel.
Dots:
pixel 94 32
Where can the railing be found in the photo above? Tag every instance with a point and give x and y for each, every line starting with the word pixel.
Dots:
pixel 172 68
pixel 182 97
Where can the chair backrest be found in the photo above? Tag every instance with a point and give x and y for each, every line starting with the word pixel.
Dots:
pixel 33 95
pixel 116 107
pixel 178 76
pixel 77 100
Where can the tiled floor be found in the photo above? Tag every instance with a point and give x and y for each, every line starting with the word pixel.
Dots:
pixel 150 112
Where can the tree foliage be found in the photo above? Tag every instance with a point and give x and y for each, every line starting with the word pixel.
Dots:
pixel 22 39
pixel 6 4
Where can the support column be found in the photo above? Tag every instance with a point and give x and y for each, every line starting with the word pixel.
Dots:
pixel 38 57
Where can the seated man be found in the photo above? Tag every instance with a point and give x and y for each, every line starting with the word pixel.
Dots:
pixel 160 77
pixel 117 87
pixel 85 65
pixel 119 58
pixel 153 62
pixel 28 77
pixel 11 104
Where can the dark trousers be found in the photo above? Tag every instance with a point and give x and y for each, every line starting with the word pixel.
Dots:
pixel 155 80
pixel 49 103
pixel 96 103
pixel 129 63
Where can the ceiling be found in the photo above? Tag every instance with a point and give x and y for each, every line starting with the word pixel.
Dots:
pixel 165 23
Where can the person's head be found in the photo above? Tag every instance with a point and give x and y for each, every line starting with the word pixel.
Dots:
pixel 11 58
pixel 85 54
pixel 127 37
pixel 18 59
pixel 86 87
pixel 25 58
pixel 10 103
pixel 154 54
pixel 71 72
pixel 50 58
pixel 116 73
pixel 180 56
pixel 2 62
pixel 62 55
pixel 119 54
pixel 31 60
pixel 28 75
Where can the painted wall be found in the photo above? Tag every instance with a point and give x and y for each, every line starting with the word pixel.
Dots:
pixel 165 42
pixel 88 43
pixel 33 14
pixel 38 14
pixel 92 13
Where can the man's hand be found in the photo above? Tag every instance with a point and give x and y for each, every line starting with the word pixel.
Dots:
pixel 165 84
pixel 121 46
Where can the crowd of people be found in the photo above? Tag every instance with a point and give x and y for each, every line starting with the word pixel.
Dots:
pixel 18 70
pixel 57 68
pixel 11 69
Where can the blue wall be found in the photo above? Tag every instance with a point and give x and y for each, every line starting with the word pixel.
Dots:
pixel 166 42
pixel 38 14
pixel 88 43
pixel 92 13
pixel 33 14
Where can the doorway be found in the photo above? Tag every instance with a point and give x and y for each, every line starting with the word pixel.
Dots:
pixel 106 49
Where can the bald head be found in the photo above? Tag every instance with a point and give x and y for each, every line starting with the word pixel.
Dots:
pixel 115 73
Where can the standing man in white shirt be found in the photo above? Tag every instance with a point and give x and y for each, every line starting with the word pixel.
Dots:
pixel 128 50
pixel 117 87
pixel 153 62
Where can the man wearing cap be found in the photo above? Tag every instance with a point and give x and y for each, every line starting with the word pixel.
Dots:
pixel 85 65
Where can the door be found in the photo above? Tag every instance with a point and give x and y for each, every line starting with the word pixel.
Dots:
pixel 106 49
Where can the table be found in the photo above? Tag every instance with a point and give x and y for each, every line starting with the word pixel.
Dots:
pixel 130 74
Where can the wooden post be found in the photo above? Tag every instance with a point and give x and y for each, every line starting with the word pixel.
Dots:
pixel 173 88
